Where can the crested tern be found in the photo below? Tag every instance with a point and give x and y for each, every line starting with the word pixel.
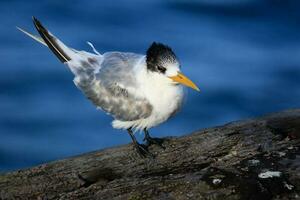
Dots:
pixel 138 91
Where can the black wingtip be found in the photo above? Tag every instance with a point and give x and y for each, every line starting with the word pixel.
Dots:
pixel 50 41
pixel 36 22
pixel 38 25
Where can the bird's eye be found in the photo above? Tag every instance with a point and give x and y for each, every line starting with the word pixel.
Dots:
pixel 161 69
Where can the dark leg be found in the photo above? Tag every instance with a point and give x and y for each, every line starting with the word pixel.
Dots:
pixel 150 140
pixel 141 149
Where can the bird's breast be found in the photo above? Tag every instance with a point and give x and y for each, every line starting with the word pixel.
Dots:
pixel 166 100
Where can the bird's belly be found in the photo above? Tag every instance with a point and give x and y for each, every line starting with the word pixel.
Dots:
pixel 165 104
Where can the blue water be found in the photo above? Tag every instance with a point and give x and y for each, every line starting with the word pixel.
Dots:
pixel 243 54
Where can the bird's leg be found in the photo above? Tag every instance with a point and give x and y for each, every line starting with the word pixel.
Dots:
pixel 150 140
pixel 141 149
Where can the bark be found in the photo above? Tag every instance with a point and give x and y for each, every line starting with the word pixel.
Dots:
pixel 252 159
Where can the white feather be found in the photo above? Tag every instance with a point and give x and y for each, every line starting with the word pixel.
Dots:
pixel 158 89
pixel 35 37
pixel 94 49
pixel 165 97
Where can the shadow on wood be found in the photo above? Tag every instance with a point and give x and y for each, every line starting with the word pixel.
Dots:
pixel 252 159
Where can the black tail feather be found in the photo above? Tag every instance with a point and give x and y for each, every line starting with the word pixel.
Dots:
pixel 50 41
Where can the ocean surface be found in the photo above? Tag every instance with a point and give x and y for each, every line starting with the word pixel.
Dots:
pixel 243 54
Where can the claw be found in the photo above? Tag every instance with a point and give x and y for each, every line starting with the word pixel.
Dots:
pixel 150 140
pixel 142 150
pixel 157 141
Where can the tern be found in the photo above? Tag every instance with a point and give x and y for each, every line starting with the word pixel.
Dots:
pixel 138 91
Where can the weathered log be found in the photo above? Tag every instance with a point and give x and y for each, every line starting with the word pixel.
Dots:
pixel 252 159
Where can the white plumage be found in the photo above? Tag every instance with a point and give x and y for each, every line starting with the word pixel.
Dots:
pixel 164 96
pixel 139 91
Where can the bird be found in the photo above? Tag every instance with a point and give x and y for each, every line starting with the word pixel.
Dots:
pixel 139 91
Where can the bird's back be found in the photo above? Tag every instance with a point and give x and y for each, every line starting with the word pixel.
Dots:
pixel 110 83
pixel 119 67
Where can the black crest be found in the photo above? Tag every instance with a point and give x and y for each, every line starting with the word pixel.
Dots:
pixel 159 54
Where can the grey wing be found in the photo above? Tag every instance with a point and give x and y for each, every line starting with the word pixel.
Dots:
pixel 104 79
pixel 112 87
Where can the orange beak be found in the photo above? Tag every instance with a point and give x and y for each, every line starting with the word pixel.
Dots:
pixel 180 78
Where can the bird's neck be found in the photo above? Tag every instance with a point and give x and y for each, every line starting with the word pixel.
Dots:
pixel 157 88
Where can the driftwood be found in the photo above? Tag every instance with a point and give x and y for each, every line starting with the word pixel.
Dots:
pixel 252 159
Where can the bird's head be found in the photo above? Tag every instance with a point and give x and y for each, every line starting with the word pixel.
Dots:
pixel 161 59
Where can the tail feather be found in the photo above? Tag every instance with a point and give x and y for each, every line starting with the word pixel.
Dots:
pixel 35 37
pixel 51 41
pixel 79 62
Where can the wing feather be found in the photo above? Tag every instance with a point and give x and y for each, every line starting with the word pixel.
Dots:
pixel 108 80
pixel 113 87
